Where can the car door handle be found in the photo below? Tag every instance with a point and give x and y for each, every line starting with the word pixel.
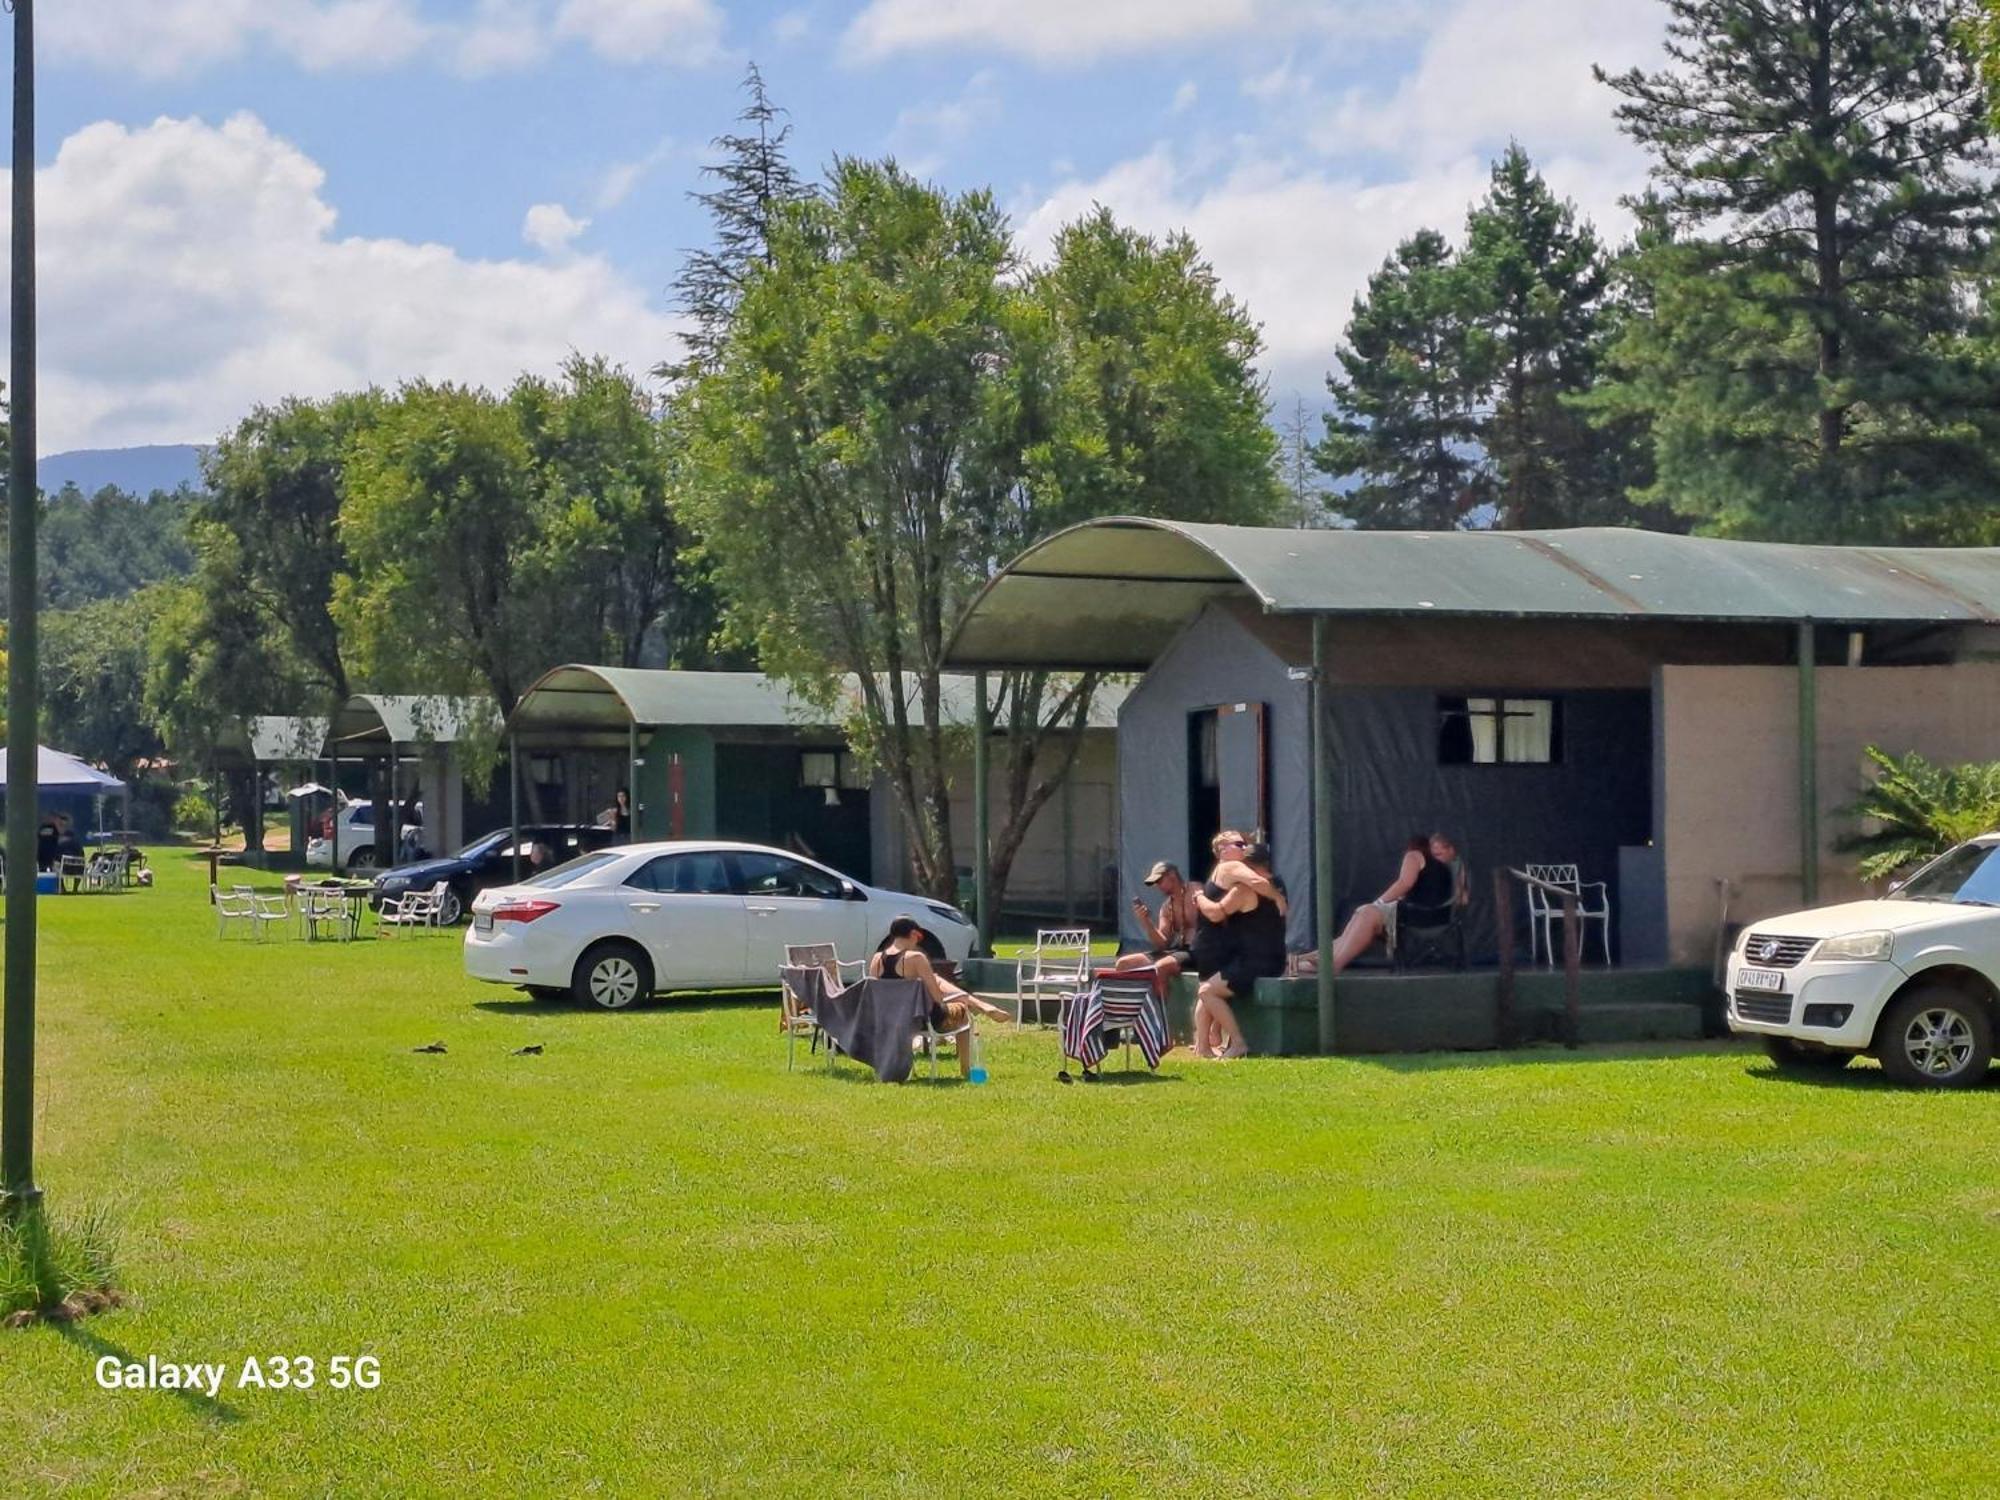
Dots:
pixel 764 911
pixel 644 905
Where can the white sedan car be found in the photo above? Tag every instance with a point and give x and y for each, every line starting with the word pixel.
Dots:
pixel 1913 979
pixel 617 925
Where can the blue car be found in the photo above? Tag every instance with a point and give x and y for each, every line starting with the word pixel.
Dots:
pixel 486 861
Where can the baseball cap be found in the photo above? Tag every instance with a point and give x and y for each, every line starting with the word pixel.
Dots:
pixel 1160 870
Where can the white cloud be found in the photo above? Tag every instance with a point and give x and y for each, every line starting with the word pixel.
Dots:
pixel 1080 31
pixel 1185 96
pixel 622 177
pixel 163 38
pixel 551 228
pixel 680 31
pixel 792 26
pixel 190 271
pixel 922 131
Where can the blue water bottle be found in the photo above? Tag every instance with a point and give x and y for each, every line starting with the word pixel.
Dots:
pixel 977 1072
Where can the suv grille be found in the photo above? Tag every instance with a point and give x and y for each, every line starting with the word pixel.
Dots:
pixel 1769 951
pixel 1771 1009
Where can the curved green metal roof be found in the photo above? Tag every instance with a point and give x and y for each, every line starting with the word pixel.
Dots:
pixel 1110 593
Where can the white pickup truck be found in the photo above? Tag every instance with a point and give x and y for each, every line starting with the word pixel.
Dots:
pixel 1912 979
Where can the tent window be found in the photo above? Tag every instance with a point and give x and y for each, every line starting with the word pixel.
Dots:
pixel 1489 731
pixel 835 768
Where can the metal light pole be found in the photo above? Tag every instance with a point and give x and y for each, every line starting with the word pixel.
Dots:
pixel 17 1027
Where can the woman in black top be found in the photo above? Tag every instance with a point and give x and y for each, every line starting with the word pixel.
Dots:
pixel 902 956
pixel 1427 879
pixel 1245 931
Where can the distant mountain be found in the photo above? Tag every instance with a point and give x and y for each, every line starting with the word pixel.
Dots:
pixel 138 471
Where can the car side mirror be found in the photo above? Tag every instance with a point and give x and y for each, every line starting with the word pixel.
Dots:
pixel 849 891
pixel 1895 886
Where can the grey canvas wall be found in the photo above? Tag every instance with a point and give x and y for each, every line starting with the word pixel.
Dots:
pixel 1391 786
pixel 1214 661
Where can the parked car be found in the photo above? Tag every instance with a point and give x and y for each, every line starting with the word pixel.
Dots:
pixel 485 862
pixel 612 927
pixel 1912 979
pixel 354 834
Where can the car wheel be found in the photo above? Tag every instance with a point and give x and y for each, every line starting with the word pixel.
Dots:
pixel 362 859
pixel 1796 1057
pixel 450 908
pixel 1936 1037
pixel 612 976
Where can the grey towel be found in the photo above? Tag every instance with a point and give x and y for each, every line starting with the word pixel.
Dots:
pixel 875 1021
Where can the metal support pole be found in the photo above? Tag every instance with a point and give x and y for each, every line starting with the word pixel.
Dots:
pixel 1323 894
pixel 17 1028
pixel 1808 767
pixel 982 865
pixel 631 780
pixel 1068 795
pixel 514 803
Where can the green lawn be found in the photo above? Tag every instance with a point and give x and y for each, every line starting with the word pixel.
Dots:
pixel 652 1261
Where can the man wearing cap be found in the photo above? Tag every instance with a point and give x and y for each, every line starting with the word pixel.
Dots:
pixel 1167 939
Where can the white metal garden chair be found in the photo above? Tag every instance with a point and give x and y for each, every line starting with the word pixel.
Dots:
pixel 233 906
pixel 1545 910
pixel 268 910
pixel 418 909
pixel 795 1018
pixel 1059 964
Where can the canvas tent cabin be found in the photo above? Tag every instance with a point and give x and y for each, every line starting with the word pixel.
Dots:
pixel 738 755
pixel 1668 712
pixel 404 748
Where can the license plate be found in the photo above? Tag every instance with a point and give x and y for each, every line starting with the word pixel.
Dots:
pixel 1760 979
pixel 482 921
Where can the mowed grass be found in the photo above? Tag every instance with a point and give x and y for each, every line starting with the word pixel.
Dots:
pixel 651 1261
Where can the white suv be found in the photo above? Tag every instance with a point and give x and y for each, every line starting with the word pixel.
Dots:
pixel 1913 979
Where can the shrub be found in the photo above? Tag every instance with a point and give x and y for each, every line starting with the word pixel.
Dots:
pixel 56 1270
pixel 194 812
pixel 1914 810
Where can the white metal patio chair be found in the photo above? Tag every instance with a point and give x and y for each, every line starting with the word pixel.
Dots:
pixel 268 910
pixel 1059 964
pixel 1545 913
pixel 413 909
pixel 233 906
pixel 929 1040
pixel 795 1017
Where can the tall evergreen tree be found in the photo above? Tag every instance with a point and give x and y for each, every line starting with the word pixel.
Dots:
pixel 1807 367
pixel 754 179
pixel 1537 278
pixel 1404 430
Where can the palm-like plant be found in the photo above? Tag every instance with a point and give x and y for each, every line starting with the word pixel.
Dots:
pixel 1914 809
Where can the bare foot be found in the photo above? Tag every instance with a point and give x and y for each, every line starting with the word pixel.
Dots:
pixel 1239 1050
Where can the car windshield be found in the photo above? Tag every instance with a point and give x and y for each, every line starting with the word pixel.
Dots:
pixel 574 870
pixel 480 845
pixel 1969 874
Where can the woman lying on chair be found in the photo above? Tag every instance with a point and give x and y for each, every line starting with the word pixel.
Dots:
pixel 903 957
pixel 1427 881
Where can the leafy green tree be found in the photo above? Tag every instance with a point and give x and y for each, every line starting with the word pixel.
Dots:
pixel 754 181
pixel 1402 439
pixel 611 543
pixel 1537 281
pixel 275 490
pixel 108 544
pixel 1913 810
pixel 1131 388
pixel 845 486
pixel 1815 365
pixel 94 661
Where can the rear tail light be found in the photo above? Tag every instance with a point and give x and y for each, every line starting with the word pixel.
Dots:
pixel 523 911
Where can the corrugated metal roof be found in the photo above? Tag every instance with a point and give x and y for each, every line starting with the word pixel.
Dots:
pixel 1110 593
pixel 276 737
pixel 578 698
pixel 409 718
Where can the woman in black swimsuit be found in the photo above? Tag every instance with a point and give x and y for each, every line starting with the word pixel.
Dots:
pixel 903 957
pixel 1241 940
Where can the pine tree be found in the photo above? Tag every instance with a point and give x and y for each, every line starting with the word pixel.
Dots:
pixel 1538 278
pixel 1811 365
pixel 1298 474
pixel 756 180
pixel 1405 427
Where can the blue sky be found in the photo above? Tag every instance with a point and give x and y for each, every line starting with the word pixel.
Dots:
pixel 244 199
